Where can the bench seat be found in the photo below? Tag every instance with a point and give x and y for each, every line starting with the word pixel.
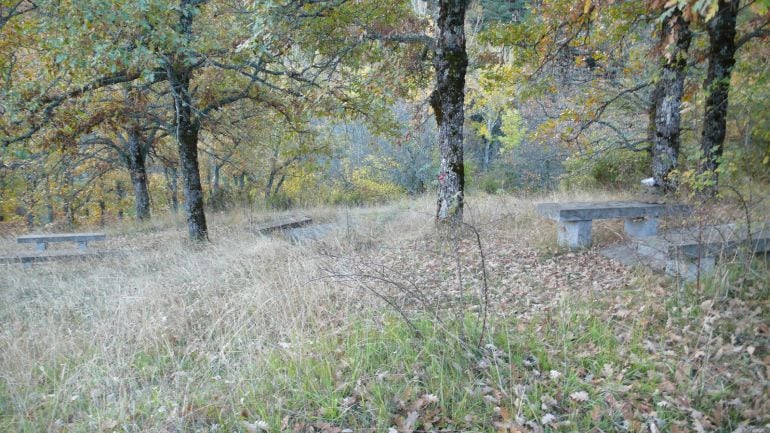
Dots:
pixel 291 223
pixel 575 218
pixel 47 256
pixel 42 240
pixel 695 251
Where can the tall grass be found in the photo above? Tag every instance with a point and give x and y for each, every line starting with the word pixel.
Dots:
pixel 173 336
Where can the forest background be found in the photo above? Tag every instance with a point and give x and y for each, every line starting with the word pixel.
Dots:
pixel 114 109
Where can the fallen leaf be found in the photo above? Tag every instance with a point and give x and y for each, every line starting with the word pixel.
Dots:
pixel 547 419
pixel 580 396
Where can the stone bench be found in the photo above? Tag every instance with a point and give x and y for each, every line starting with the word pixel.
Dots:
pixel 575 218
pixel 692 252
pixel 41 241
pixel 27 259
pixel 281 225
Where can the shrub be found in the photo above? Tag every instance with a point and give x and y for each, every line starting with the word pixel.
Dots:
pixel 618 168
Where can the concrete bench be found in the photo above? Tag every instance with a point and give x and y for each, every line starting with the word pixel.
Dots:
pixel 692 252
pixel 41 241
pixel 286 224
pixel 575 218
pixel 26 259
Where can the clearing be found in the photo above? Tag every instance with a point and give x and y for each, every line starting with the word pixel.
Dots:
pixel 378 325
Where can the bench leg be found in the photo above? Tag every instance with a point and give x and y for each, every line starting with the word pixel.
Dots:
pixel 689 269
pixel 641 227
pixel 41 246
pixel 82 245
pixel 575 234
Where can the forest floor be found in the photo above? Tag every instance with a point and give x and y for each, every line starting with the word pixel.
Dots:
pixel 385 323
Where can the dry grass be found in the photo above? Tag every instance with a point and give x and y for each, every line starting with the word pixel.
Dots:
pixel 171 335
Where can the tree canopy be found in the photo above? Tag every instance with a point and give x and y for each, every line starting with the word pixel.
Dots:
pixel 113 108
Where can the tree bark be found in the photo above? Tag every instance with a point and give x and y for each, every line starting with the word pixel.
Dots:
pixel 179 72
pixel 269 185
pixel 448 99
pixel 173 188
pixel 187 140
pixel 721 30
pixel 69 212
pixel 137 156
pixel 120 195
pixel 668 100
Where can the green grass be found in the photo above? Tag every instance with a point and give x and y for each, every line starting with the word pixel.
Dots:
pixel 375 373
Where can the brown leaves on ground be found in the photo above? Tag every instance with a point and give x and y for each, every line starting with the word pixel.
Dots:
pixel 708 356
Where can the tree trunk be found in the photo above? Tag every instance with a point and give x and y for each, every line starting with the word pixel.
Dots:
pixel 120 195
pixel 448 98
pixel 721 55
pixel 668 99
pixel 279 184
pixel 137 167
pixel 50 214
pixel 271 177
pixel 30 217
pixel 179 72
pixel 216 188
pixel 69 213
pixel 173 188
pixel 215 180
pixel 655 98
pixel 102 211
pixel 187 140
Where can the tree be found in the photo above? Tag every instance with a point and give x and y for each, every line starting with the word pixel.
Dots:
pixel 667 97
pixel 450 62
pixel 721 59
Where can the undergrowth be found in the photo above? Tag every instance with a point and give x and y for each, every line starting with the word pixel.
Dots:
pixel 248 335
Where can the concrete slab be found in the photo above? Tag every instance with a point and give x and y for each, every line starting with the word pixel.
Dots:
pixel 60 237
pixel 288 223
pixel 574 234
pixel 628 255
pixel 691 252
pixel 581 211
pixel 61 255
pixel 641 227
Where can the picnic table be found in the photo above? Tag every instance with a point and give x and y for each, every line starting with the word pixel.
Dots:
pixel 575 219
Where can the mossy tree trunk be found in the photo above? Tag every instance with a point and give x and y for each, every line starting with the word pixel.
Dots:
pixel 667 100
pixel 179 71
pixel 136 156
pixel 721 59
pixel 448 98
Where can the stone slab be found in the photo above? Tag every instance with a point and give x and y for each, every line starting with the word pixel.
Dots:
pixel 690 252
pixel 574 234
pixel 49 256
pixel 641 227
pixel 628 255
pixel 305 234
pixel 714 241
pixel 60 237
pixel 286 224
pixel 586 211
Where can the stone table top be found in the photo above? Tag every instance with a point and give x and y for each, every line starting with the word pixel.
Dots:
pixel 586 211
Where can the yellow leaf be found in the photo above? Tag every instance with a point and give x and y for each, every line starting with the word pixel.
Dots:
pixel 712 10
pixel 586 6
